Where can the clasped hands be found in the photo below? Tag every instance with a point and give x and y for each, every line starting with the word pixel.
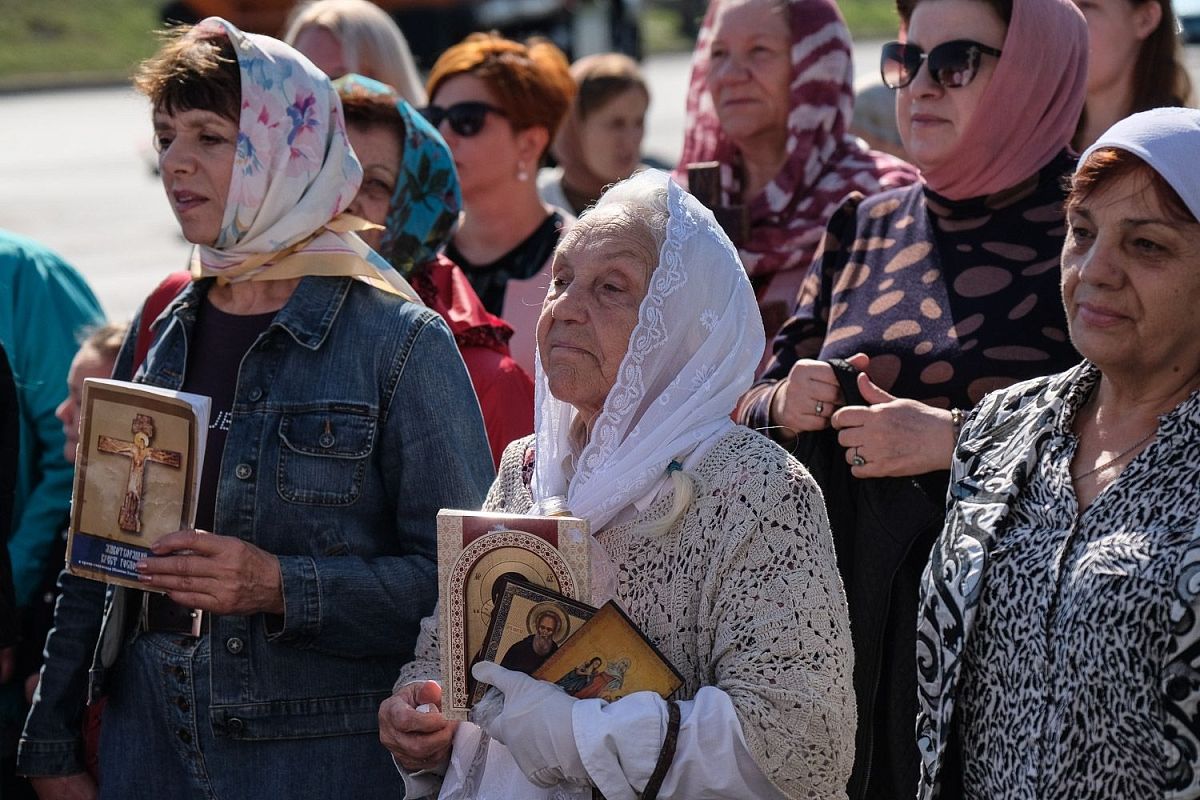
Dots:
pixel 889 437
pixel 535 726
pixel 219 574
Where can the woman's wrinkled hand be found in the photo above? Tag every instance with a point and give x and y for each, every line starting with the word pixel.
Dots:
pixel 412 728
pixel 810 395
pixel 893 437
pixel 221 574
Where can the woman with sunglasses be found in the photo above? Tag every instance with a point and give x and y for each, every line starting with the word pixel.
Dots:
pixel 410 187
pixel 770 99
pixel 1135 63
pixel 937 293
pixel 498 103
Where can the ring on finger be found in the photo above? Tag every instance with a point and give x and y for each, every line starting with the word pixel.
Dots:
pixel 820 407
pixel 858 460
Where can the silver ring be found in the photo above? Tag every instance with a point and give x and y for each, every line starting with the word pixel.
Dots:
pixel 858 460
pixel 820 407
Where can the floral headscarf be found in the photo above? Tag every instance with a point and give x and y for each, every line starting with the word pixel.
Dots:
pixel 824 162
pixel 424 210
pixel 422 217
pixel 293 175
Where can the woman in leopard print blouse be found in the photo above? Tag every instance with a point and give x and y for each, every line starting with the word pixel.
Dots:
pixel 1057 651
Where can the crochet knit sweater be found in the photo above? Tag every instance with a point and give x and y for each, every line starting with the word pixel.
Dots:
pixel 741 593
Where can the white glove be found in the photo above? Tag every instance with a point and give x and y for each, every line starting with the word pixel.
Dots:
pixel 535 726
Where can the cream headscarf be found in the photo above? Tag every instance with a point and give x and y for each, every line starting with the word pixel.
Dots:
pixel 293 175
pixel 693 352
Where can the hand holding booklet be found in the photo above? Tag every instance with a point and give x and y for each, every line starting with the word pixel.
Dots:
pixel 137 475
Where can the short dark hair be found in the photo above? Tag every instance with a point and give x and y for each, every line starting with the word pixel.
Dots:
pixel 192 73
pixel 1003 9
pixel 1109 164
pixel 370 112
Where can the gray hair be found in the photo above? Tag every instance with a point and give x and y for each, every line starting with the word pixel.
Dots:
pixel 634 211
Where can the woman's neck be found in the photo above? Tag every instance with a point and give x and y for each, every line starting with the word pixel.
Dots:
pixel 498 219
pixel 252 297
pixel 1129 400
pixel 762 159
pixel 1103 108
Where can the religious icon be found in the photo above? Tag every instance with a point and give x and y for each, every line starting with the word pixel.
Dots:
pixel 476 551
pixel 140 453
pixel 137 477
pixel 609 657
pixel 529 625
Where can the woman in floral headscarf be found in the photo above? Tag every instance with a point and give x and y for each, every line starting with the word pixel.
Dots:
pixel 771 98
pixel 411 187
pixel 335 392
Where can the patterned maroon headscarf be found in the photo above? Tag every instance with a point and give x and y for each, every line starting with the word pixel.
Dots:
pixel 825 163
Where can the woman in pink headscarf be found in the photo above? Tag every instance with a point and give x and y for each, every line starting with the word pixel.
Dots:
pixel 935 294
pixel 770 99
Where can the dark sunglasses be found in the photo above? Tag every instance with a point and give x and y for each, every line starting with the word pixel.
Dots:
pixel 466 119
pixel 951 64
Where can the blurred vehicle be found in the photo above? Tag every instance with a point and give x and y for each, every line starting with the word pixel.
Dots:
pixel 1188 14
pixel 579 27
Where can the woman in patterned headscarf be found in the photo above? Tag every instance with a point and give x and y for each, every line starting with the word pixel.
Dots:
pixel 939 293
pixel 334 393
pixel 410 186
pixel 713 539
pixel 771 98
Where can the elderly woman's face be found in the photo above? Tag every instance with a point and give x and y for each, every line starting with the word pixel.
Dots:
pixel 378 150
pixel 597 284
pixel 1131 281
pixel 196 149
pixel 751 70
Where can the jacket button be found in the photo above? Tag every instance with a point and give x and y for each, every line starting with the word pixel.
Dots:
pixel 256 394
pixel 234 645
pixel 235 725
pixel 243 471
pixel 326 440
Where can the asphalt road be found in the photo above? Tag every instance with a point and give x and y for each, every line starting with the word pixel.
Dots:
pixel 75 174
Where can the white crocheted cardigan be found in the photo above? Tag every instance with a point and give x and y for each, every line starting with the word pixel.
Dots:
pixel 741 593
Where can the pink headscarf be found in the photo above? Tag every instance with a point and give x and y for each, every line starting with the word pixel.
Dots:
pixel 824 164
pixel 1032 104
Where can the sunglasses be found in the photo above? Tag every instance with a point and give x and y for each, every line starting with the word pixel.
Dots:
pixel 466 119
pixel 951 64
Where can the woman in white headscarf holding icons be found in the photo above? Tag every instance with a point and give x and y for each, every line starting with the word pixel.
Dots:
pixel 715 541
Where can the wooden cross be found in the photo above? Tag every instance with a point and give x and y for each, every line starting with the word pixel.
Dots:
pixel 138 452
pixel 704 181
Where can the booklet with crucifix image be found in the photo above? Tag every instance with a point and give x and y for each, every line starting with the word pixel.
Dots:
pixel 137 475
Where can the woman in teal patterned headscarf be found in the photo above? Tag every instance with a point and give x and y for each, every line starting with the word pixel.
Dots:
pixel 410 187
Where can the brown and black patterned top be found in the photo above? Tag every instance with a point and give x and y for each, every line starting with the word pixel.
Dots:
pixel 950 299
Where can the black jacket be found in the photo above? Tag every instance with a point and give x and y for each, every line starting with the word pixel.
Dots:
pixel 883 530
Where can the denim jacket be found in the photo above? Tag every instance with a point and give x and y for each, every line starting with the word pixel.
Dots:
pixel 354 421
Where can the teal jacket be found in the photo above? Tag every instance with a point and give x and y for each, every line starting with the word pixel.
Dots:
pixel 45 307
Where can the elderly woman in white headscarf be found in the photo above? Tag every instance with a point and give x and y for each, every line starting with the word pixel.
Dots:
pixel 716 540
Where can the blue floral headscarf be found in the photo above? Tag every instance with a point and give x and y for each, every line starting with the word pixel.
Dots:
pixel 424 210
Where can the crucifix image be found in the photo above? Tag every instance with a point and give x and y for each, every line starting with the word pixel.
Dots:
pixel 139 452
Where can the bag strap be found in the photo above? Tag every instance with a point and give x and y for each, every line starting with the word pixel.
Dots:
pixel 847 376
pixel 155 304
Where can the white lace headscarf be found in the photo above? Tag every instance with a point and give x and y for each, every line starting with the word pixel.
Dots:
pixel 692 354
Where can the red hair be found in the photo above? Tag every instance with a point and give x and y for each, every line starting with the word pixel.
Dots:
pixel 531 82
